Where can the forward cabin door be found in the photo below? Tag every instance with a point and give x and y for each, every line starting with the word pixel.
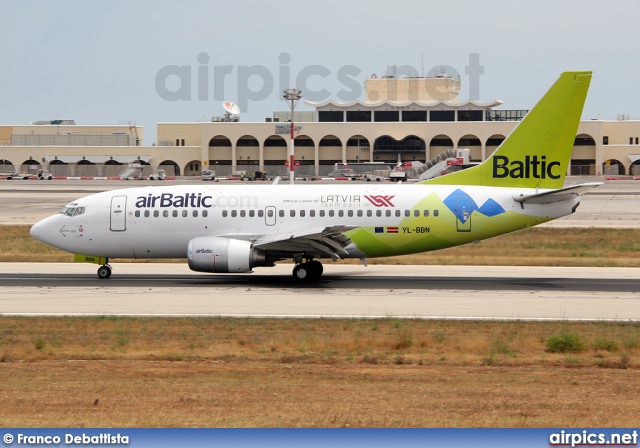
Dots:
pixel 118 213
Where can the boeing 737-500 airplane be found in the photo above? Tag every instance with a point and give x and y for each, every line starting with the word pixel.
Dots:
pixel 222 229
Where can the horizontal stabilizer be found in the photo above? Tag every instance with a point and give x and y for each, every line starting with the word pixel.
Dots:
pixel 563 194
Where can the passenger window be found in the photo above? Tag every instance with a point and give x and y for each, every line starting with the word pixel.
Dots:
pixel 312 213
pixel 224 213
pixel 234 213
pixel 195 213
pixel 175 213
pixel 270 213
pixel 137 213
pixel 322 213
pixel 243 213
pixel 341 213
pixel 350 213
pixel 165 213
pixel 184 213
pixel 280 213
pixel 302 213
pixel 407 213
pixel 436 213
pixel 252 213
pixel 359 213
pixel 146 213
pixel 426 213
pixel 260 213
pixel 331 213
pixel 378 213
pixel 156 213
pixel 416 213
pixel 292 213
pixel 398 213
pixel 388 213
pixel 205 213
pixel 369 213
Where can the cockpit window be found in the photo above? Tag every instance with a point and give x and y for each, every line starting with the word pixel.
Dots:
pixel 72 211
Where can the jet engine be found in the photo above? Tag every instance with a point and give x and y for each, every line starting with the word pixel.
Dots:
pixel 220 255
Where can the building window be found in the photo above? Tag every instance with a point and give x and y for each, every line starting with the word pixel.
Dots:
pixel 386 115
pixel 358 115
pixel 442 115
pixel 330 116
pixel 470 115
pixel 414 115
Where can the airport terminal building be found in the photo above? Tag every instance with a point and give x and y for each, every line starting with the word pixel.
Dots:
pixel 401 119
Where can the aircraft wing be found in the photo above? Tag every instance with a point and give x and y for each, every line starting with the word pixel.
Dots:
pixel 325 240
pixel 563 194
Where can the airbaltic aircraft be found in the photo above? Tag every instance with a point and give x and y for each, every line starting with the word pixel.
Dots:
pixel 222 229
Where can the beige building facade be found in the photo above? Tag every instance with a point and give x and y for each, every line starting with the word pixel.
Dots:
pixel 405 122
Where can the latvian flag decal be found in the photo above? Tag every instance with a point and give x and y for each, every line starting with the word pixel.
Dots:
pixel 392 230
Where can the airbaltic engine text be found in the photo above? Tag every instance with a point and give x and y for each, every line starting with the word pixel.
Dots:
pixel 195 200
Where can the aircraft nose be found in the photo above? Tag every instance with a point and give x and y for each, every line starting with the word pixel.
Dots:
pixel 41 232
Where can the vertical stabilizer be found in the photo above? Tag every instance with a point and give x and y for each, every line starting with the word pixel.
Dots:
pixel 537 153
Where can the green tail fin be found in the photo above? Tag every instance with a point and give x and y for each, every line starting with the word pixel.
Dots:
pixel 537 152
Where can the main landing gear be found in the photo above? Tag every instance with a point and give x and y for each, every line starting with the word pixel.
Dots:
pixel 104 271
pixel 308 271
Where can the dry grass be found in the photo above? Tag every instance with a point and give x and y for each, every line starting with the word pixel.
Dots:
pixel 532 247
pixel 114 371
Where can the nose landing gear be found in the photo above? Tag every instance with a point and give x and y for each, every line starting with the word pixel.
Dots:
pixel 308 271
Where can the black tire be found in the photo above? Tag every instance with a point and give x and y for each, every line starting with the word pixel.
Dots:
pixel 316 269
pixel 300 272
pixel 104 272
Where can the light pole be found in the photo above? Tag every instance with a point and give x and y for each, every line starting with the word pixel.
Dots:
pixel 292 96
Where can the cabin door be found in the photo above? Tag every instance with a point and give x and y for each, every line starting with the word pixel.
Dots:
pixel 270 216
pixel 118 213
pixel 463 213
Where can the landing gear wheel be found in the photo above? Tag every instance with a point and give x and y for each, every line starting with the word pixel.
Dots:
pixel 300 272
pixel 316 269
pixel 308 272
pixel 104 272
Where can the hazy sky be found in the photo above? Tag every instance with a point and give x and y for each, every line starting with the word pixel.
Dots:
pixel 101 62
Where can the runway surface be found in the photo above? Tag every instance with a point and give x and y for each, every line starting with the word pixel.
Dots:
pixel 462 292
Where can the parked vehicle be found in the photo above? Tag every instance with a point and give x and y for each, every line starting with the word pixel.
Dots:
pixel 209 175
pixel 160 175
